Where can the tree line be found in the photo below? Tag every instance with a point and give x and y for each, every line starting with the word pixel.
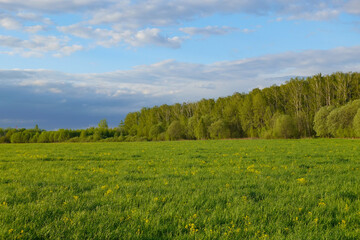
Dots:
pixel 285 111
pixel 320 105
pixel 93 134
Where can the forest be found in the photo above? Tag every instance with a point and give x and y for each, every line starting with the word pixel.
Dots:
pixel 316 106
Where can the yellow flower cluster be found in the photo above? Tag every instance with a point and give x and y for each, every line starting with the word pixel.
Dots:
pixel 301 180
pixel 192 228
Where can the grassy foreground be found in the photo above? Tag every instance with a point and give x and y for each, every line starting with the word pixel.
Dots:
pixel 238 189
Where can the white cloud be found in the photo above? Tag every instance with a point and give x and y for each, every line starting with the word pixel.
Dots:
pixel 353 7
pixel 28 16
pixel 55 90
pixel 209 30
pixel 23 21
pixel 9 23
pixel 103 37
pixel 320 15
pixel 53 5
pixel 37 45
pixel 163 12
pixel 153 36
pixel 34 29
pixel 107 38
pixel 68 50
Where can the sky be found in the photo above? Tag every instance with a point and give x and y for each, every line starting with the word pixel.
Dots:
pixel 71 63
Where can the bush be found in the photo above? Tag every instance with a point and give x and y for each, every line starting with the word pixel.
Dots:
pixel 75 139
pixel 219 130
pixel 16 138
pixel 155 131
pixel 284 127
pixel 43 138
pixel 175 131
pixel 356 124
pixel 320 118
pixel 340 120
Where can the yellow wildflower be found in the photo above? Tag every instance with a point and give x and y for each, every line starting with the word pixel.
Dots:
pixel 301 180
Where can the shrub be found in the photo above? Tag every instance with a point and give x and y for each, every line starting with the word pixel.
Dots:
pixel 340 120
pixel 219 130
pixel 175 130
pixel 320 118
pixel 356 124
pixel 284 127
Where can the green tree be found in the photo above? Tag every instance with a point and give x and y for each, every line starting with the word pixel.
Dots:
pixel 43 137
pixel 96 137
pixel 83 134
pixel 62 135
pixel 340 120
pixel 201 129
pixel 284 127
pixel 320 120
pixel 175 130
pixel 16 137
pixel 103 124
pixel 356 124
pixel 155 131
pixel 219 130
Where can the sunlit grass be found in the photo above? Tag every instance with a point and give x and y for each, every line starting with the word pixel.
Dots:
pixel 243 189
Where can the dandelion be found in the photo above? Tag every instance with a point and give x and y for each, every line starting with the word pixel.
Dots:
pixel 342 223
pixel 10 230
pixel 301 180
pixel 76 198
pixel 109 191
pixel 322 204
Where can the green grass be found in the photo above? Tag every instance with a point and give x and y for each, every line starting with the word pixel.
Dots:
pixel 238 189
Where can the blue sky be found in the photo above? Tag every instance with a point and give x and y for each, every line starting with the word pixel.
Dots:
pixel 69 64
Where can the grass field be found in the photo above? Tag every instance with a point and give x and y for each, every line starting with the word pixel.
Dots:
pixel 234 189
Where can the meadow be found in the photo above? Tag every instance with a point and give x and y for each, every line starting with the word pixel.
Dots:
pixel 224 189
